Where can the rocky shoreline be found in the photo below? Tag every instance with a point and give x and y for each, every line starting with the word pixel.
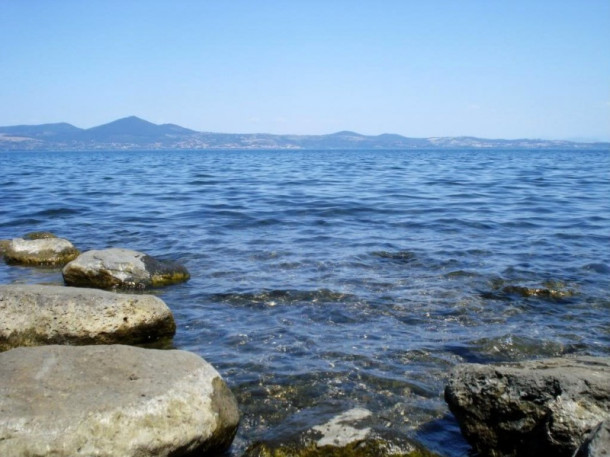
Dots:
pixel 73 384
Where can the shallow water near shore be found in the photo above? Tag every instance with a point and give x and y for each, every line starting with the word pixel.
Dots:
pixel 324 281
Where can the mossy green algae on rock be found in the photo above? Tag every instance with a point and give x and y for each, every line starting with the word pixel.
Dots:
pixel 39 235
pixel 366 448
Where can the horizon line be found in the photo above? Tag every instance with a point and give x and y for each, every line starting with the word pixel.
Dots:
pixel 135 117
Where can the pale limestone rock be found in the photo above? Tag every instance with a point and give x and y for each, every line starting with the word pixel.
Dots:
pixel 50 252
pixel 32 315
pixel 107 401
pixel 118 268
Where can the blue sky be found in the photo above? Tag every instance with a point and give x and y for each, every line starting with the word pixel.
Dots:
pixel 494 69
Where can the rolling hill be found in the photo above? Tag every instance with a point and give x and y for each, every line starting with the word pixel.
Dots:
pixel 133 133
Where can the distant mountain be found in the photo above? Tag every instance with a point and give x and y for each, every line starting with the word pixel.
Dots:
pixel 133 129
pixel 40 131
pixel 133 133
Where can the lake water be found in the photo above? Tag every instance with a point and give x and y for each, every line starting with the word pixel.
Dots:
pixel 328 280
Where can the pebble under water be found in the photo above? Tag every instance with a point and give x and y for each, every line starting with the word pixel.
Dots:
pixel 329 281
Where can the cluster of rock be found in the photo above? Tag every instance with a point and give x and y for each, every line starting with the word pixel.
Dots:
pixel 70 385
pixel 113 268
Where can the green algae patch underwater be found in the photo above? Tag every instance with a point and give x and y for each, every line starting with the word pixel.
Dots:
pixel 366 448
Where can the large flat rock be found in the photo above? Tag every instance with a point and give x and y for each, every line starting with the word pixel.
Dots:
pixel 118 268
pixel 32 315
pixel 107 401
pixel 543 407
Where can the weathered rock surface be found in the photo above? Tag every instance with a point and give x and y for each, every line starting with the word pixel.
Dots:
pixel 118 268
pixel 32 315
pixel 51 252
pixel 597 443
pixel 108 401
pixel 544 407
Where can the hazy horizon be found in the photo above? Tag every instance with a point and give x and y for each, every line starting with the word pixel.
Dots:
pixel 576 140
pixel 536 70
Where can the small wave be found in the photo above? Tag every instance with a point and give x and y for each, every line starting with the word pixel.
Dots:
pixel 204 182
pixel 57 212
pixel 262 222
pixel 601 268
pixel 508 348
pixel 461 274
pixel 27 222
pixel 397 256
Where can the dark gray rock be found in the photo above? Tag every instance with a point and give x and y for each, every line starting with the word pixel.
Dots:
pixel 48 252
pixel 107 401
pixel 33 315
pixel 597 443
pixel 544 407
pixel 118 268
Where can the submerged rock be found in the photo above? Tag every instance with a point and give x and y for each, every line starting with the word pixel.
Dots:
pixel 365 448
pixel 70 401
pixel 544 407
pixel 541 292
pixel 118 268
pixel 50 252
pixel 32 315
pixel 551 290
pixel 345 435
pixel 342 430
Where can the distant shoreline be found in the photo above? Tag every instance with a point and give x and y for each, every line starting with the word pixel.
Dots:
pixel 135 134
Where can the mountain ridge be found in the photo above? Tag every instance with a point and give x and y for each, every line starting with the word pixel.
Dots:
pixel 134 133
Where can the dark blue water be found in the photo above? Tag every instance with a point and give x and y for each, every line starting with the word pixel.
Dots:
pixel 323 281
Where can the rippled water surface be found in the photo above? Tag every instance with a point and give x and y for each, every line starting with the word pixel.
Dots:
pixel 323 281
